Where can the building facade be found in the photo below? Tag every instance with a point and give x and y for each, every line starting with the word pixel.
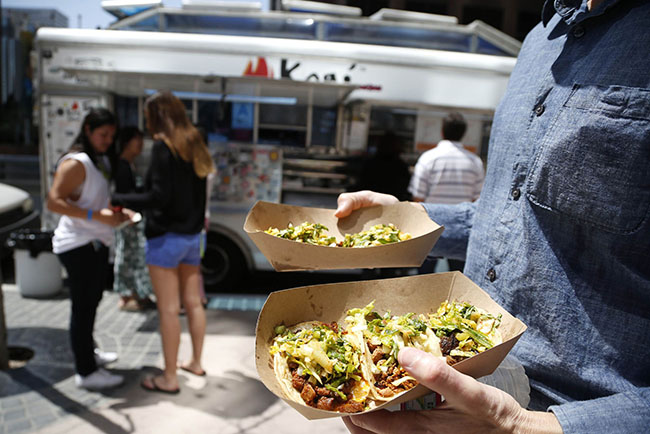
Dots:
pixel 18 28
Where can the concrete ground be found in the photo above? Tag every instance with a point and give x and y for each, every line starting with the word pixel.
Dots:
pixel 41 397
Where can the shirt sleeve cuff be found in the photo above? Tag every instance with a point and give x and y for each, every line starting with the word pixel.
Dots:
pixel 457 221
pixel 622 412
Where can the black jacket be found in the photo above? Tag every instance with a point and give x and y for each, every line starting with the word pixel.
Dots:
pixel 174 197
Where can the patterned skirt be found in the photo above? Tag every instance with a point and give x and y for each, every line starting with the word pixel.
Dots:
pixel 131 276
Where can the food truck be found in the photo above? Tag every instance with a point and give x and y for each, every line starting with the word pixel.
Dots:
pixel 288 101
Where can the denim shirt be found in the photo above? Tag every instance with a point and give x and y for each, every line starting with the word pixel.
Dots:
pixel 560 236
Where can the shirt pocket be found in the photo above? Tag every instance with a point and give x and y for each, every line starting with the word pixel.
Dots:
pixel 594 162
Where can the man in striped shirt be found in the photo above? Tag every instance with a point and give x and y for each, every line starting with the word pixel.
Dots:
pixel 447 174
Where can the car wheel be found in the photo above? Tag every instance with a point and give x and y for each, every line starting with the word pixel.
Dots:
pixel 223 264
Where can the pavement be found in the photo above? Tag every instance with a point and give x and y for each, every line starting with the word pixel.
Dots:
pixel 41 396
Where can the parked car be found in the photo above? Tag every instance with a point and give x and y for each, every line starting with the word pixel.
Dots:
pixel 16 212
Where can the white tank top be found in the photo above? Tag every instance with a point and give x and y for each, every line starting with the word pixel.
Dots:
pixel 73 232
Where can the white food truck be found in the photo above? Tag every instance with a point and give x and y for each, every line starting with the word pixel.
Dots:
pixel 288 101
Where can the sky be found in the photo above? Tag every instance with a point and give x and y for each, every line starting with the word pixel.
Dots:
pixel 92 14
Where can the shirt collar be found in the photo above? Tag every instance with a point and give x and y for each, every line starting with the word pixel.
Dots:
pixel 572 11
pixel 446 142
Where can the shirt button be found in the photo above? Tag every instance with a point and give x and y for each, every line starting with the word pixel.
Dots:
pixel 491 274
pixel 539 109
pixel 516 193
pixel 578 31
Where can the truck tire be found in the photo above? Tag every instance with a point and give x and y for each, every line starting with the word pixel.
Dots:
pixel 223 264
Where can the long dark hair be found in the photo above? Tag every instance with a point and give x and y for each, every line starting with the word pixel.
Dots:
pixel 97 117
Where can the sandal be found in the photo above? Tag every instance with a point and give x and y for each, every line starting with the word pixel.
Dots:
pixel 198 374
pixel 155 388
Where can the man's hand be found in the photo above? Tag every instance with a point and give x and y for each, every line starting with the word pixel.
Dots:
pixel 469 407
pixel 348 202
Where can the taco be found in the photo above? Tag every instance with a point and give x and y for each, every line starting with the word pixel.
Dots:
pixel 318 365
pixel 356 369
pixel 382 337
pixel 464 330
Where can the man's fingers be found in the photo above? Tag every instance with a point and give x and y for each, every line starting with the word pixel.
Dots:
pixel 433 372
pixel 353 428
pixel 344 205
pixel 348 202
pixel 381 421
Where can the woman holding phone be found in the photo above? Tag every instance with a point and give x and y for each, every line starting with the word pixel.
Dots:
pixel 80 193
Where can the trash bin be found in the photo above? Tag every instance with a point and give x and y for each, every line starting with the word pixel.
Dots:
pixel 38 270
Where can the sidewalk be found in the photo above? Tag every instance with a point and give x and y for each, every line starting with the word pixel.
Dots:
pixel 42 397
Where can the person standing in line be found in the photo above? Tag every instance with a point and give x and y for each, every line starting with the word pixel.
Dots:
pixel 385 171
pixel 131 277
pixel 447 174
pixel 80 192
pixel 174 202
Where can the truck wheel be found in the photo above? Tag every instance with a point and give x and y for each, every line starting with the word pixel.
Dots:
pixel 223 264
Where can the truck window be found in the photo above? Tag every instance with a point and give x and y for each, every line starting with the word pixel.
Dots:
pixel 323 132
pixel 399 121
pixel 126 110
pixel 284 125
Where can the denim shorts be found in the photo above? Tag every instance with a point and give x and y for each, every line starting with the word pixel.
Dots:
pixel 171 249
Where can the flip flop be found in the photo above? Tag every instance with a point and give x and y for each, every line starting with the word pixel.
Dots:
pixel 198 374
pixel 157 388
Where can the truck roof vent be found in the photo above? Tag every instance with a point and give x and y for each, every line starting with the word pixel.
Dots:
pixel 125 8
pixel 320 8
pixel 222 6
pixel 386 14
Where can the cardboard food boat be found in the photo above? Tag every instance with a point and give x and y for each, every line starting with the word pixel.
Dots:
pixel 419 294
pixel 288 255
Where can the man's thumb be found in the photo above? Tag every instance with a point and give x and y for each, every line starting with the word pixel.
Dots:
pixel 434 373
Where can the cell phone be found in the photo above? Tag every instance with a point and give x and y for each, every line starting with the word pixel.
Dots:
pixel 137 217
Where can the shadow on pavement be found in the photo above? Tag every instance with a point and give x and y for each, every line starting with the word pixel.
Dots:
pixel 52 361
pixel 232 323
pixel 44 388
pixel 232 396
pixel 219 322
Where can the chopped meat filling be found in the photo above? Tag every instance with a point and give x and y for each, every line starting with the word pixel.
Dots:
pixel 308 393
pixel 325 403
pixel 377 355
pixel 321 391
pixel 350 407
pixel 323 398
pixel 297 381
pixel 448 343
pixel 384 381
pixel 333 326
pixel 347 388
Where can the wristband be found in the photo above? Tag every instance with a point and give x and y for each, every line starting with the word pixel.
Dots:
pixel 89 216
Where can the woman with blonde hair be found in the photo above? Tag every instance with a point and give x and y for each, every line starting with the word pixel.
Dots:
pixel 174 203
